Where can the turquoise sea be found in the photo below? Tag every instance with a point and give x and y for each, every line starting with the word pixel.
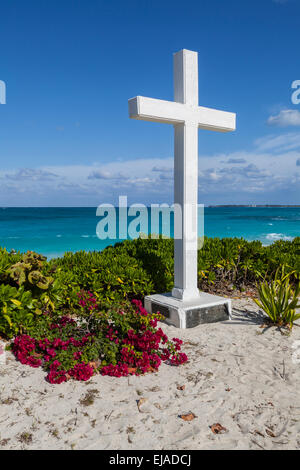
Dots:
pixel 52 231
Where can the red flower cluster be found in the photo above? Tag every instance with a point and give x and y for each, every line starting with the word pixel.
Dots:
pixel 119 370
pixel 36 353
pixel 178 359
pixel 140 350
pixel 139 305
pixel 112 335
pixel 87 300
pixel 56 376
pixel 81 371
pixel 24 349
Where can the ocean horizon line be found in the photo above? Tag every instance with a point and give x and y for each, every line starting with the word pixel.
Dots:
pixel 205 205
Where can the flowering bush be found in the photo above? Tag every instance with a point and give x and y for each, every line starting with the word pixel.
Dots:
pixel 117 342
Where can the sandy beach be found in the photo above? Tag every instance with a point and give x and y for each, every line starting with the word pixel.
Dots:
pixel 239 375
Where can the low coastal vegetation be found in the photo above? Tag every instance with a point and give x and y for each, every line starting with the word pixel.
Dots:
pixel 279 299
pixel 82 313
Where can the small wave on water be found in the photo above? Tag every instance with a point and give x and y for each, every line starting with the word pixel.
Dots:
pixel 58 254
pixel 280 218
pixel 272 237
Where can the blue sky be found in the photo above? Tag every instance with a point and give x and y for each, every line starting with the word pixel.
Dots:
pixel 71 65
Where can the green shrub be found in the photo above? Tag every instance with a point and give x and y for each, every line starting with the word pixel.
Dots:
pixel 224 261
pixel 112 275
pixel 28 273
pixel 133 269
pixel 156 256
pixel 25 291
pixel 18 310
pixel 279 300
pixel 7 259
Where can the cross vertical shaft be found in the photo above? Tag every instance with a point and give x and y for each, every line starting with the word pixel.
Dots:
pixel 186 178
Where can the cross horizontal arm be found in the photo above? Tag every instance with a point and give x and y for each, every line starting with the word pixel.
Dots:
pixel 215 120
pixel 149 109
pixel 171 112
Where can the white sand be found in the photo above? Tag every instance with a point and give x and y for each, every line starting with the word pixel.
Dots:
pixel 237 375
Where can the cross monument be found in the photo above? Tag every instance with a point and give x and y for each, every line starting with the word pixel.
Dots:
pixel 185 306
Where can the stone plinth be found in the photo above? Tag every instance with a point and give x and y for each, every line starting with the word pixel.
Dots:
pixel 206 308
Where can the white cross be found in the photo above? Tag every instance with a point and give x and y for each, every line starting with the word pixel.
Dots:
pixel 186 116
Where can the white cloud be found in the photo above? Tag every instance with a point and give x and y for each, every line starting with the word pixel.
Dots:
pixel 30 174
pixel 286 118
pixel 239 177
pixel 162 169
pixel 279 143
pixel 102 175
pixel 234 161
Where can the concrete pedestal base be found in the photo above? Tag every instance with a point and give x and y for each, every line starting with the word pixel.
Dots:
pixel 183 314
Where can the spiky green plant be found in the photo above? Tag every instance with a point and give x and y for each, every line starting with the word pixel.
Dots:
pixel 279 299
